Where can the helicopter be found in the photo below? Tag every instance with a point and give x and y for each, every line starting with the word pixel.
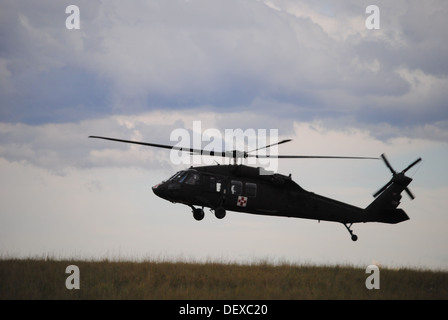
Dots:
pixel 241 188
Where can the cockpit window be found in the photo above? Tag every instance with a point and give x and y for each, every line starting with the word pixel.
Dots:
pixel 182 177
pixel 193 178
pixel 188 177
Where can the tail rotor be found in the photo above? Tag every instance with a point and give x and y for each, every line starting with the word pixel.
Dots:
pixel 396 176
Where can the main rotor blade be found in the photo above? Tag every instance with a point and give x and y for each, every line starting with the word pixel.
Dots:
pixel 270 145
pixel 388 164
pixel 411 165
pixel 231 154
pixel 306 157
pixel 191 150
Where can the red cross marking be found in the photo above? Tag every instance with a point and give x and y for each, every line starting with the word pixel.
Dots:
pixel 242 201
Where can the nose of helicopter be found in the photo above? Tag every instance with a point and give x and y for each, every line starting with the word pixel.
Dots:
pixel 166 190
pixel 157 189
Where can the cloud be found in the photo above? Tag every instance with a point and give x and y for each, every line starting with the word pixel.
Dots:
pixel 60 148
pixel 301 60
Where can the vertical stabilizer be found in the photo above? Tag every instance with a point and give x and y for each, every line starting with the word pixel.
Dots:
pixel 384 207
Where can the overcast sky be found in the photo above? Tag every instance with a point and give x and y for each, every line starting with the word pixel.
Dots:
pixel 141 69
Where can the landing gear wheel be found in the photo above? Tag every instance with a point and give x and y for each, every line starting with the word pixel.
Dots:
pixel 198 214
pixel 220 212
pixel 354 236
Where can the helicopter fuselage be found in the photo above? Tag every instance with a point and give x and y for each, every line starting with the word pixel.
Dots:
pixel 242 188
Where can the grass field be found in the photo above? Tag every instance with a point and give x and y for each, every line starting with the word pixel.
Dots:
pixel 46 279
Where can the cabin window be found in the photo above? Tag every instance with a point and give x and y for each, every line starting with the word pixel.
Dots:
pixel 236 187
pixel 193 179
pixel 251 189
pixel 215 184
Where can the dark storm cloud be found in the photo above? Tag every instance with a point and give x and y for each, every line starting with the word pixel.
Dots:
pixel 299 60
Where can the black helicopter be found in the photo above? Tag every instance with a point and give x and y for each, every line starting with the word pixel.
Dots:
pixel 241 188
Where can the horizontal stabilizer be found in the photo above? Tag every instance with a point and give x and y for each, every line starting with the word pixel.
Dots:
pixel 388 216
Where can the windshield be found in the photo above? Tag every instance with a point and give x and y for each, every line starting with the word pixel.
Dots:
pixel 188 177
pixel 175 176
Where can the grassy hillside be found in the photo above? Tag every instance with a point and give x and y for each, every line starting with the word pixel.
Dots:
pixel 41 279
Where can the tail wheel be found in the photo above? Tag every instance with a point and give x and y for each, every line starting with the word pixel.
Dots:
pixel 220 212
pixel 353 236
